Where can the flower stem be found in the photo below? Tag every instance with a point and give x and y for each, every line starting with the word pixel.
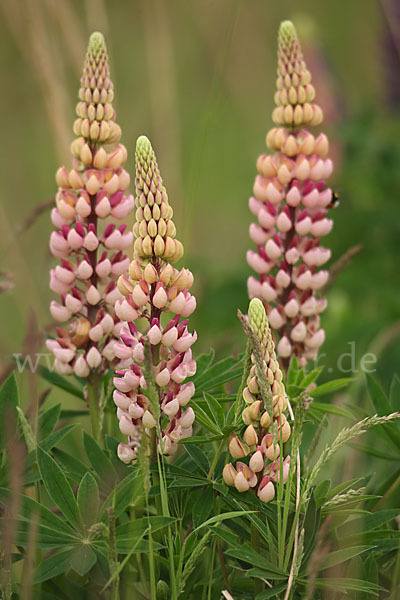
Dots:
pixel 93 395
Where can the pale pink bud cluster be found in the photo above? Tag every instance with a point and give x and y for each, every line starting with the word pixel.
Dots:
pixel 152 287
pixel 263 435
pixel 91 258
pixel 291 202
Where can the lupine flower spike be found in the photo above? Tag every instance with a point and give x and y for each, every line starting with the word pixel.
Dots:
pixel 264 433
pixel 91 257
pixel 154 287
pixel 291 202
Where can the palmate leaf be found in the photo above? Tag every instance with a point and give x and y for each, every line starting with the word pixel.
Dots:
pixel 202 507
pixel 247 554
pixel 46 537
pixel 100 462
pixel 83 559
pixel 53 566
pixel 205 420
pixel 199 458
pixel 88 499
pixel 74 468
pixel 58 488
pixel 29 507
pixel 221 372
pixel 128 492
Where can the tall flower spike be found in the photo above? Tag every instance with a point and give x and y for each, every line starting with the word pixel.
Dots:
pixel 291 203
pixel 154 287
pixel 264 433
pixel 90 260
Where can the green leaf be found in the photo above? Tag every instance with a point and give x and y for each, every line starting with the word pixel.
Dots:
pixel 332 409
pixel 83 559
pixel 8 405
pixel 74 468
pixel 378 396
pixel 345 585
pixel 128 492
pixel 199 439
pixel 321 491
pixel 372 451
pixel 58 488
pixel 331 386
pixel 383 407
pixel 394 395
pixel 204 419
pixel 368 522
pixel 203 362
pixel 56 437
pixel 264 574
pixel 293 370
pixel 134 529
pixel 247 554
pixel 225 370
pixel 99 461
pixel 202 507
pixel 311 377
pixel 335 558
pixel 199 458
pixel 223 516
pixel 216 410
pixel 88 499
pixel 187 482
pixel 29 507
pixel 48 420
pixel 60 382
pixel 271 592
pixel 55 565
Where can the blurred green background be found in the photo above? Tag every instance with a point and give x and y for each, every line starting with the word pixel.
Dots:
pixel 198 78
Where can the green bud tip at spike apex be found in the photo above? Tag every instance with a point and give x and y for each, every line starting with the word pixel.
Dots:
pixel 287 31
pixel 143 146
pixel 257 317
pixel 96 43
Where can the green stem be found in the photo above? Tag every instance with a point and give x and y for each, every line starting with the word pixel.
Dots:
pixel 255 542
pixel 113 555
pixel 93 395
pixel 216 459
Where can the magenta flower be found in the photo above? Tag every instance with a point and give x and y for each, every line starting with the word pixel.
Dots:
pixel 91 257
pixel 154 287
pixel 291 202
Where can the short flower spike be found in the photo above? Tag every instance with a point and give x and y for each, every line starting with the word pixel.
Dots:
pixel 264 433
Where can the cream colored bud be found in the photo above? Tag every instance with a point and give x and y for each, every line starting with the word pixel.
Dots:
pixel 229 473
pixel 135 270
pixel 250 436
pixel 150 274
pixel 236 448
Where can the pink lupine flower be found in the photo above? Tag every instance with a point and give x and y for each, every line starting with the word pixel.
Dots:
pixel 264 434
pixel 291 202
pixel 154 287
pixel 90 260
